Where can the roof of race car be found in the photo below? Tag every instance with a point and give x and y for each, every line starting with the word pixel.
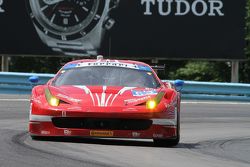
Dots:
pixel 108 63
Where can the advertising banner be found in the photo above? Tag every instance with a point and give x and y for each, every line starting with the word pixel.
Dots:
pixel 164 29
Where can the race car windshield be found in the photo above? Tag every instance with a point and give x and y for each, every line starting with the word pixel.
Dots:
pixel 109 76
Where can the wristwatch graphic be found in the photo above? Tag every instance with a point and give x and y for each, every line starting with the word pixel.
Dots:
pixel 72 27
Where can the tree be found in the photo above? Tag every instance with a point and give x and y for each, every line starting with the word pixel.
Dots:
pixel 203 71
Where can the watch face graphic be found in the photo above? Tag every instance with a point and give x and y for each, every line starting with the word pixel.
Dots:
pixel 66 19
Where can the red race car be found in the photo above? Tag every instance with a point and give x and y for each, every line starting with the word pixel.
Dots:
pixel 107 99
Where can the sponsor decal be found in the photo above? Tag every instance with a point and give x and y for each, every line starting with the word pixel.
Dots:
pixel 157 135
pixel 183 7
pixel 139 100
pixel 99 133
pixel 43 132
pixel 68 98
pixel 120 93
pixel 144 92
pixel 108 64
pixel 136 134
pixel 67 132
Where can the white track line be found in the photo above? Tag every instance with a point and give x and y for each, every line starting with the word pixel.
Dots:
pixel 17 100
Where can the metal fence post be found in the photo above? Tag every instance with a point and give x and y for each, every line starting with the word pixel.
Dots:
pixel 5 63
pixel 235 71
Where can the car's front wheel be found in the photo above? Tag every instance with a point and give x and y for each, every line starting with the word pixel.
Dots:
pixel 34 137
pixel 166 142
pixel 173 141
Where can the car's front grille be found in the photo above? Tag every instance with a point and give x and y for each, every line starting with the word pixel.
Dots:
pixel 101 123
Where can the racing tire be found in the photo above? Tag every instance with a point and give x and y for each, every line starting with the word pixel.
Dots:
pixel 173 141
pixel 33 137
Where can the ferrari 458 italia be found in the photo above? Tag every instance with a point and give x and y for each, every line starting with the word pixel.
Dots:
pixel 107 99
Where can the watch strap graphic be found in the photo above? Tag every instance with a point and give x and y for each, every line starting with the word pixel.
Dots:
pixel 74 49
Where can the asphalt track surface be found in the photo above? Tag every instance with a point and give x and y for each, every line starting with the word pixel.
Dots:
pixel 213 134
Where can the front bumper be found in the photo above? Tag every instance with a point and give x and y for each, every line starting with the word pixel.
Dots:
pixel 162 125
pixel 41 125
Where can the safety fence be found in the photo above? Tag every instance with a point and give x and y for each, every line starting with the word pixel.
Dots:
pixel 18 83
pixel 216 91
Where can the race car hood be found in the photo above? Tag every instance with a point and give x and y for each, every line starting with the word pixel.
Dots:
pixel 103 96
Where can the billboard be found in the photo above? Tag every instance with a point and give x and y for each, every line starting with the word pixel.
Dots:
pixel 166 29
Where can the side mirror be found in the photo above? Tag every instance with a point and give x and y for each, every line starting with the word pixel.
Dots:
pixel 33 79
pixel 178 84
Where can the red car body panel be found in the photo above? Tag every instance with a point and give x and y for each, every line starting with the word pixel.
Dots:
pixel 121 110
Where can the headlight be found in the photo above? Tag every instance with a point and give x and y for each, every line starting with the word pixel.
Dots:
pixel 151 104
pixel 52 100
